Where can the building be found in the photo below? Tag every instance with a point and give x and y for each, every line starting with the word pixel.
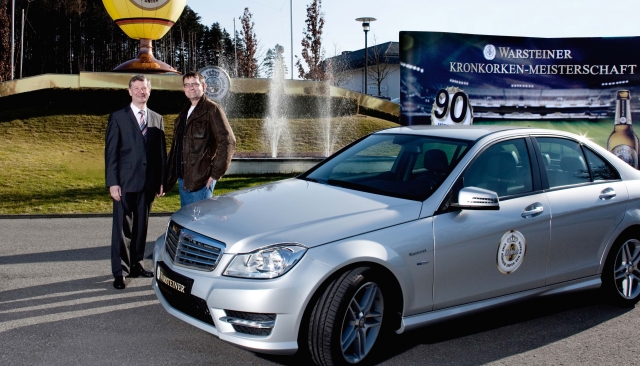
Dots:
pixel 383 70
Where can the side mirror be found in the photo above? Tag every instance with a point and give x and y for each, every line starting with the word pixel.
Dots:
pixel 474 198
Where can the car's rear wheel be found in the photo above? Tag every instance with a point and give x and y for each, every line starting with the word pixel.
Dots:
pixel 347 320
pixel 621 275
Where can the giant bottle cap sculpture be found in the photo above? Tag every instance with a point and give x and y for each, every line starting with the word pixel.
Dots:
pixel 145 20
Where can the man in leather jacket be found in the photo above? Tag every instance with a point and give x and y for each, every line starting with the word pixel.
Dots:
pixel 203 144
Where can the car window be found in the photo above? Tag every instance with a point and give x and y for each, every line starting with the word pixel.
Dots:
pixel 451 152
pixel 503 168
pixel 404 166
pixel 600 169
pixel 377 158
pixel 564 162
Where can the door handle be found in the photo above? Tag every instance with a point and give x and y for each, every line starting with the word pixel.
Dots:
pixel 532 210
pixel 607 194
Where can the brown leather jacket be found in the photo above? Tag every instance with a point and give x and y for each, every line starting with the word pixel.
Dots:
pixel 208 146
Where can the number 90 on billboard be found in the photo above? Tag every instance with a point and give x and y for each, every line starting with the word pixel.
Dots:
pixel 451 107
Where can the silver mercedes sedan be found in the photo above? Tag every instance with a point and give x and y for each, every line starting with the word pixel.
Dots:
pixel 401 229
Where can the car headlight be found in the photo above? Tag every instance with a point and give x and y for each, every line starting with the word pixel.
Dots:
pixel 269 262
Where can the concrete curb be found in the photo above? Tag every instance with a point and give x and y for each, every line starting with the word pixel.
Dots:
pixel 71 216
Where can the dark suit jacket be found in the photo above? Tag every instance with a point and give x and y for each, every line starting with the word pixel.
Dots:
pixel 129 163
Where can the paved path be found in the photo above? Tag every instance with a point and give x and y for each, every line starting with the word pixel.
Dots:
pixel 57 307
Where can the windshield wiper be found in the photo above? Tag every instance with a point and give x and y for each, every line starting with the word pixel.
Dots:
pixel 310 179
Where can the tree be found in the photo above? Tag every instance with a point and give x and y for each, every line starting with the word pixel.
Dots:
pixel 189 32
pixel 247 62
pixel 5 42
pixel 235 56
pixel 336 67
pixel 269 63
pixel 73 10
pixel 312 51
pixel 227 57
pixel 379 68
pixel 213 48
pixel 70 36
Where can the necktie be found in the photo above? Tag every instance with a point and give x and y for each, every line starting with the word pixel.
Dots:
pixel 143 125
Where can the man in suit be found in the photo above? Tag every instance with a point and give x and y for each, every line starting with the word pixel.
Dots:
pixel 135 156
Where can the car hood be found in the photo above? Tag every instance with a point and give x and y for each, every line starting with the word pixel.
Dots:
pixel 293 211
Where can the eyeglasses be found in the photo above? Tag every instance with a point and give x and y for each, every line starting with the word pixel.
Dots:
pixel 189 85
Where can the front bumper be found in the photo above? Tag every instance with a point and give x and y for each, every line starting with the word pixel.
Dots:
pixel 283 299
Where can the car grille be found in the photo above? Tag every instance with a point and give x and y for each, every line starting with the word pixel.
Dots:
pixel 189 249
pixel 256 317
pixel 191 305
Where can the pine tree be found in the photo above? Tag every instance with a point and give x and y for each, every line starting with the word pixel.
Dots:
pixel 69 36
pixel 5 42
pixel 269 63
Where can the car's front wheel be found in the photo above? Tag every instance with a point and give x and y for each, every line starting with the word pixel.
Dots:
pixel 347 319
pixel 621 275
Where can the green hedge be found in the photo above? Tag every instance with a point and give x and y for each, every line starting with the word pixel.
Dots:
pixel 82 101
pixel 378 114
pixel 256 105
pixel 104 101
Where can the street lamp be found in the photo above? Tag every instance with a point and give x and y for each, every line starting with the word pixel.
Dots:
pixel 365 27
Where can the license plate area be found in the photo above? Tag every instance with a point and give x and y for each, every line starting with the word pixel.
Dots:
pixel 175 283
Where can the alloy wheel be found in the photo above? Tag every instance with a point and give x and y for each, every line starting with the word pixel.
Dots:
pixel 362 322
pixel 626 271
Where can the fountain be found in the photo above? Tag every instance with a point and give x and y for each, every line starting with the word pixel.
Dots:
pixel 332 129
pixel 327 136
pixel 276 131
pixel 275 128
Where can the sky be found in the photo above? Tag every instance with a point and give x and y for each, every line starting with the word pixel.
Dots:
pixel 528 18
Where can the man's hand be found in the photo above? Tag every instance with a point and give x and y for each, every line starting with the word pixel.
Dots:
pixel 209 182
pixel 160 192
pixel 115 192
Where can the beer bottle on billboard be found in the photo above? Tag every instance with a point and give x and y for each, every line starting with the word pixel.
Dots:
pixel 623 142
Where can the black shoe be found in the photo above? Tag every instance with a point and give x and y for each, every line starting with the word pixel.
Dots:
pixel 119 284
pixel 139 271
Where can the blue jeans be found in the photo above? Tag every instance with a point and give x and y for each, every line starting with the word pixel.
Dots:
pixel 188 197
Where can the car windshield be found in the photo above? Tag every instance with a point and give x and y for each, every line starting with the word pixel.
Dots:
pixel 405 166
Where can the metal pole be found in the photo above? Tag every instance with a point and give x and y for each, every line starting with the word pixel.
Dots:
pixel 366 61
pixel 235 49
pixel 13 38
pixel 22 44
pixel 291 27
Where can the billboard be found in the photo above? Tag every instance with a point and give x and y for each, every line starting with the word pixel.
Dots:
pixel 450 78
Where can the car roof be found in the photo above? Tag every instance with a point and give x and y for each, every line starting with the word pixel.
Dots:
pixel 472 133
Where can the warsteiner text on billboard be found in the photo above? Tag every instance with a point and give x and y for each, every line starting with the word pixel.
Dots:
pixel 450 78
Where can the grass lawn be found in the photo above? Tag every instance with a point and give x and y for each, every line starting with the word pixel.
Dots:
pixel 55 164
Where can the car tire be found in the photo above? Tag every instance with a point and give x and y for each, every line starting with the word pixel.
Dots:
pixel 621 273
pixel 347 319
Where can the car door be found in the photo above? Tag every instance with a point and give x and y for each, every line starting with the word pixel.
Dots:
pixel 587 201
pixel 480 254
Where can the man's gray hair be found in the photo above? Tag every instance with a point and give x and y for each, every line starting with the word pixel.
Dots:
pixel 140 78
